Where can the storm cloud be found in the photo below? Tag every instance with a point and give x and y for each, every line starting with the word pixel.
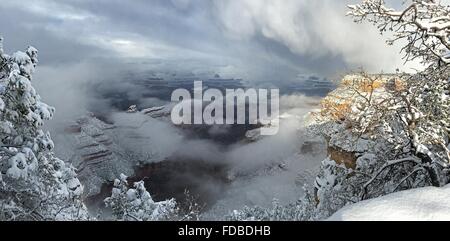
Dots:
pixel 236 37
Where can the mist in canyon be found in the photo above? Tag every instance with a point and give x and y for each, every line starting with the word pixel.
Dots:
pixel 221 167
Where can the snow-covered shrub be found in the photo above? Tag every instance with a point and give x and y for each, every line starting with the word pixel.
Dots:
pixel 136 204
pixel 34 184
pixel 297 211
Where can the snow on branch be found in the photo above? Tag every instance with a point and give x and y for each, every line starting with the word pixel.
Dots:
pixel 388 164
pixel 424 24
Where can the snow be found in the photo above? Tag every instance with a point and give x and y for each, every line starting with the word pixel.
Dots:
pixel 1 45
pixel 20 57
pixel 46 112
pixel 136 203
pixel 421 204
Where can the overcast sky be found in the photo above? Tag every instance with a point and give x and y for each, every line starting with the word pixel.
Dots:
pixel 246 38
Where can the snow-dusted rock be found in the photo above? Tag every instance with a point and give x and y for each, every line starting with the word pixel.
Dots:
pixel 158 111
pixel 90 146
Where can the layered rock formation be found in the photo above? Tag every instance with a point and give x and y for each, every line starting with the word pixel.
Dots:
pixel 89 144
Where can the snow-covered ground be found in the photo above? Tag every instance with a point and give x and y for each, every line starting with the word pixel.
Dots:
pixel 421 204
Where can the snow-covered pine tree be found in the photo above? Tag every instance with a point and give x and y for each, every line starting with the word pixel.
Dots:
pixel 136 204
pixel 34 183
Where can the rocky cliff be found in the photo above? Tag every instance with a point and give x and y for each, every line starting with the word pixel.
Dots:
pixel 90 145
